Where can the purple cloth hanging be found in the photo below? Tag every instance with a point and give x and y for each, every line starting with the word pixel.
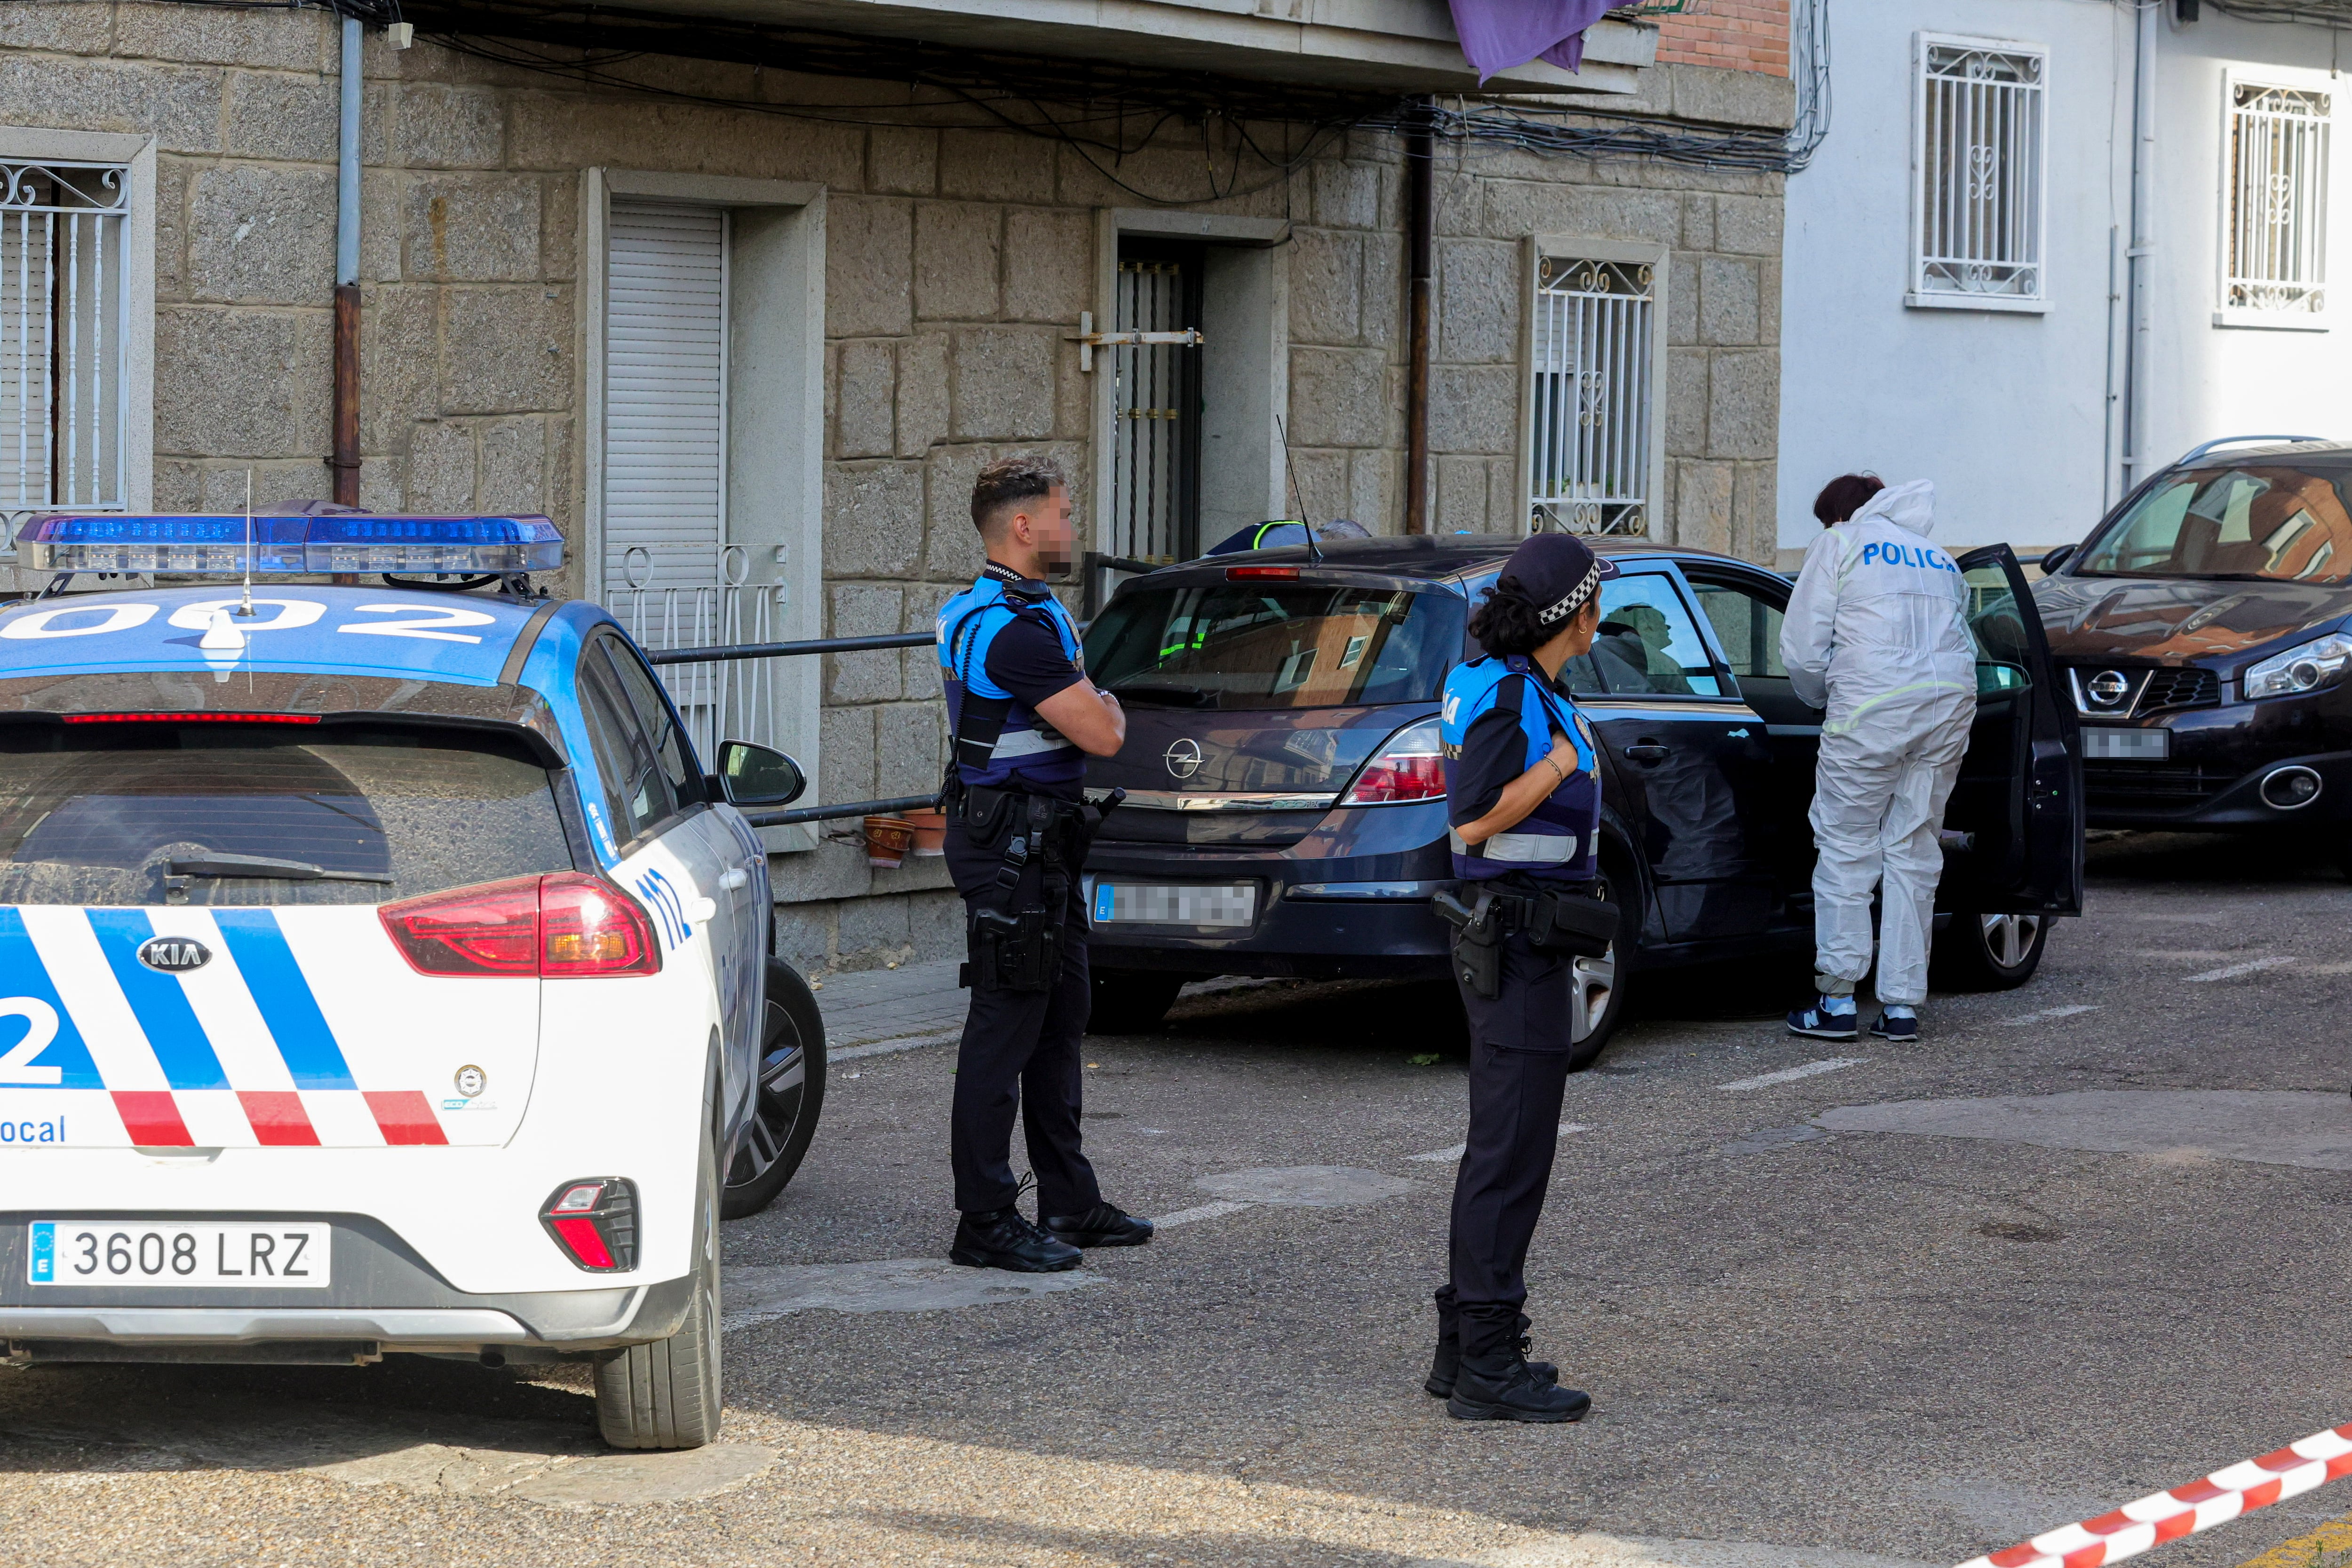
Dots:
pixel 1499 33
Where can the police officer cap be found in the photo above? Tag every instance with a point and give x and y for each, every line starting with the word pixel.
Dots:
pixel 1558 572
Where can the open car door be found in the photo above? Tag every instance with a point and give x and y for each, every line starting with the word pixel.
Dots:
pixel 2013 831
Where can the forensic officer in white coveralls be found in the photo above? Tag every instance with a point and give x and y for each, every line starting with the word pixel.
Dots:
pixel 1877 634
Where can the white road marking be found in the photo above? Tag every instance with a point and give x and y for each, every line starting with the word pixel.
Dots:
pixel 1454 1154
pixel 1791 1074
pixel 2047 1014
pixel 2232 971
pixel 759 1293
pixel 1190 1216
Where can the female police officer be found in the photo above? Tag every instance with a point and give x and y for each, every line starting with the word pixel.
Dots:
pixel 1523 793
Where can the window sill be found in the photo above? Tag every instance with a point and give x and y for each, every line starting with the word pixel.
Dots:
pixel 1994 303
pixel 2271 321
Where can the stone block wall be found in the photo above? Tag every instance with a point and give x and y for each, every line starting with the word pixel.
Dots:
pixel 956 260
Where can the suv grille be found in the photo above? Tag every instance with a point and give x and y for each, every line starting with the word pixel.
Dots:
pixel 2187 687
pixel 2150 786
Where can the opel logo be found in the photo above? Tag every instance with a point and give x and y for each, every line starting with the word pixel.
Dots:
pixel 2109 687
pixel 1183 759
pixel 174 954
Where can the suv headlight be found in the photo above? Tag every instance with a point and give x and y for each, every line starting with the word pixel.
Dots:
pixel 2306 667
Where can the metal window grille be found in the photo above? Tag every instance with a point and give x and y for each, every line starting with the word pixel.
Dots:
pixel 1593 396
pixel 2277 229
pixel 735 699
pixel 62 397
pixel 1981 171
pixel 1155 408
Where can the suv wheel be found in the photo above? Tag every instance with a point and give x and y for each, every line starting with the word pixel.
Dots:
pixel 1597 1005
pixel 1979 952
pixel 666 1395
pixel 790 1098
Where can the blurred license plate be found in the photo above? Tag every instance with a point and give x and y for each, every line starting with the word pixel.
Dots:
pixel 134 1253
pixel 2126 745
pixel 1188 905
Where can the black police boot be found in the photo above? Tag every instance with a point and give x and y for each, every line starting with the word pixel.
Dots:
pixel 1005 1239
pixel 1445 1365
pixel 1103 1225
pixel 1499 1385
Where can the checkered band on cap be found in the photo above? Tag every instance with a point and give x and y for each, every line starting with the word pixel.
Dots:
pixel 1573 599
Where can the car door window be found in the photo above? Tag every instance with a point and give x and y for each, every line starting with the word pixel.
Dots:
pixel 637 795
pixel 1746 625
pixel 672 752
pixel 1648 645
pixel 2004 656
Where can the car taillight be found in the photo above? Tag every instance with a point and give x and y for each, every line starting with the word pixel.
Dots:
pixel 594 1221
pixel 1410 766
pixel 564 925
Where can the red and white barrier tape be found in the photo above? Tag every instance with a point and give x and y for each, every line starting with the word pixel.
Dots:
pixel 2185 1510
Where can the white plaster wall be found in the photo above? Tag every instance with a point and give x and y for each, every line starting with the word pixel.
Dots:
pixel 2008 414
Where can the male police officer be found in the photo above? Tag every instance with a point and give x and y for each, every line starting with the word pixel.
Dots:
pixel 1024 719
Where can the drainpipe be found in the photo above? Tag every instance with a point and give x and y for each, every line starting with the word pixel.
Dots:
pixel 2136 368
pixel 345 463
pixel 1421 223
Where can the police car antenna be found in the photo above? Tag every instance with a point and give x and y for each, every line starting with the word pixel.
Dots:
pixel 245 605
pixel 1314 551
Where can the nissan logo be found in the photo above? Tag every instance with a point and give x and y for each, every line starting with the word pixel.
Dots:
pixel 174 954
pixel 1183 759
pixel 2109 687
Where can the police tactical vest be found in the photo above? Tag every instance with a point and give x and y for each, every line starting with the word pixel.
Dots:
pixel 999 743
pixel 1557 842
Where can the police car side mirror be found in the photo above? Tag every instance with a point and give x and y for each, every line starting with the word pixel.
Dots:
pixel 752 775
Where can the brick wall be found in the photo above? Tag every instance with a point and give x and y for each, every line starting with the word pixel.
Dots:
pixel 1731 35
pixel 956 262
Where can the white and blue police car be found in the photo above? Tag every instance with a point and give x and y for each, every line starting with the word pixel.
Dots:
pixel 379 970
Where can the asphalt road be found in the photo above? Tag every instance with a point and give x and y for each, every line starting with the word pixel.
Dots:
pixel 2083 1242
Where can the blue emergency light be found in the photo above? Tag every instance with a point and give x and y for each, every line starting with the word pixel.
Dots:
pixel 335 543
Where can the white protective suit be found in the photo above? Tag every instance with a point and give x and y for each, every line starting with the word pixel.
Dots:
pixel 1877 633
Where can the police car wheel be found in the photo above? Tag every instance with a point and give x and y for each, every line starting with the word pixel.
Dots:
pixel 1979 951
pixel 791 1097
pixel 666 1395
pixel 1598 1005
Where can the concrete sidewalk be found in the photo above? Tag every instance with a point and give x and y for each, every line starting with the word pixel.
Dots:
pixel 873 1012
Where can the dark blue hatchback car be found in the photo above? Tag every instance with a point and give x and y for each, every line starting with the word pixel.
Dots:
pixel 1285 810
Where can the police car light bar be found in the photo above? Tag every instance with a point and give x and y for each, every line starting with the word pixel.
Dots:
pixel 340 542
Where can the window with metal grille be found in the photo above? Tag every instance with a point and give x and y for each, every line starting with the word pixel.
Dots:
pixel 2276 231
pixel 1156 406
pixel 62 397
pixel 1979 153
pixel 1591 410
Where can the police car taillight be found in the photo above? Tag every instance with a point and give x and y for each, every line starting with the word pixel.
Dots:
pixel 1412 767
pixel 595 1222
pixel 564 925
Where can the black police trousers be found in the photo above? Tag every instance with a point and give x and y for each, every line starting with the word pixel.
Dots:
pixel 1519 1074
pixel 1021 1052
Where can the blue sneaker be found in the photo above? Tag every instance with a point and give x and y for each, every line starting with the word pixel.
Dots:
pixel 1824 1020
pixel 1899 1024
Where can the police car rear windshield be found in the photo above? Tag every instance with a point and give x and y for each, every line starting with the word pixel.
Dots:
pixel 2254 521
pixel 226 813
pixel 1276 645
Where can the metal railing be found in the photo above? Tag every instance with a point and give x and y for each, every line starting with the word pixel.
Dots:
pixel 732 653
pixel 736 702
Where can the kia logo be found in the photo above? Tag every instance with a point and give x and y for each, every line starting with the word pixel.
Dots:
pixel 2109 687
pixel 174 954
pixel 1183 759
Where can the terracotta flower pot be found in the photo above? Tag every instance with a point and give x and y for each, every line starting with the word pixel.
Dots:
pixel 887 840
pixel 930 831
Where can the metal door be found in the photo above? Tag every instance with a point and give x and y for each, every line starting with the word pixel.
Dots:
pixel 2019 797
pixel 1156 406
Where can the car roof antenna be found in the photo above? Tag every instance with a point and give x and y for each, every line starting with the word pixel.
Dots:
pixel 245 605
pixel 1290 469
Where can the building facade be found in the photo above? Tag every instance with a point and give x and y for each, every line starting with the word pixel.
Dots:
pixel 1960 277
pixel 747 331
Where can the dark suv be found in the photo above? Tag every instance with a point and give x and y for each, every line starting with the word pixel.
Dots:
pixel 1286 810
pixel 2201 634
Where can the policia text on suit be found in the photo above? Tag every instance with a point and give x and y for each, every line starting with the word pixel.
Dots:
pixel 1523 795
pixel 1024 718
